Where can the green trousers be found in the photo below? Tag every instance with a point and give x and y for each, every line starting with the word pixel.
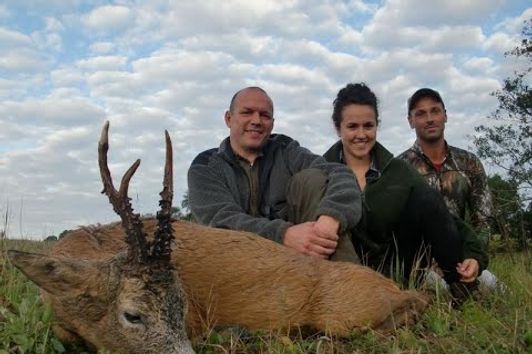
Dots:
pixel 303 194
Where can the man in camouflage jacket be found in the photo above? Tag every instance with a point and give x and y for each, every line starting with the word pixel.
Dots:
pixel 456 173
pixel 462 182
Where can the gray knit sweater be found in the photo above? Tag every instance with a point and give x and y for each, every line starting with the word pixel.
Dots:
pixel 219 191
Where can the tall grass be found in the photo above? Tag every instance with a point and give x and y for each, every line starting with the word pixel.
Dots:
pixel 25 324
pixel 498 322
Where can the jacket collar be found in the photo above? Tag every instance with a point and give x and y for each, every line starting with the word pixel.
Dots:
pixel 226 151
pixel 419 151
pixel 380 158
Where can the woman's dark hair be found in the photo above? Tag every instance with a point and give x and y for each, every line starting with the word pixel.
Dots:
pixel 357 93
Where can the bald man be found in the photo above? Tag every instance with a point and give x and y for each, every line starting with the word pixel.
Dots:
pixel 268 184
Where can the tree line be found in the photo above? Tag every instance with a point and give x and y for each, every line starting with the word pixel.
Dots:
pixel 506 142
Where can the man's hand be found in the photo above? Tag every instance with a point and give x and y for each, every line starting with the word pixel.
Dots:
pixel 327 227
pixel 313 238
pixel 468 270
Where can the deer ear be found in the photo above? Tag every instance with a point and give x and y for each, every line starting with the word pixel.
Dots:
pixel 52 274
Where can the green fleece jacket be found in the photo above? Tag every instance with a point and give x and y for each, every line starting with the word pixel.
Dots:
pixel 390 182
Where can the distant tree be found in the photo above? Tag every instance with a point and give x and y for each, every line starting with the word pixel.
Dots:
pixel 508 143
pixel 177 213
pixel 185 206
pixel 183 212
pixel 63 234
pixel 507 206
pixel 185 203
pixel 50 238
pixel 528 223
pixel 512 220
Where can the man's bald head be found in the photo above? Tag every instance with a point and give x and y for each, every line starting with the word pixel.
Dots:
pixel 250 88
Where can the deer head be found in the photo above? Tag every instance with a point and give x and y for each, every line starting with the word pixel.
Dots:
pixel 133 302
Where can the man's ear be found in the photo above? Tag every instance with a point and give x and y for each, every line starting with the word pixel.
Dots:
pixel 410 122
pixel 227 118
pixel 445 116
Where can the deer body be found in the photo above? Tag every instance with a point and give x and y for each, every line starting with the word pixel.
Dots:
pixel 238 278
pixel 145 286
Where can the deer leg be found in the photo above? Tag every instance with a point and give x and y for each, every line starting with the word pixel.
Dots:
pixel 407 312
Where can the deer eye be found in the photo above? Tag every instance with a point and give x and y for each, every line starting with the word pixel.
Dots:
pixel 131 318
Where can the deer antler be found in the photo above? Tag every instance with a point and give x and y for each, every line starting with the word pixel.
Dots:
pixel 135 236
pixel 161 249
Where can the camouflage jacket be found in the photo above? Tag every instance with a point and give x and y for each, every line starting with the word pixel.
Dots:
pixel 462 182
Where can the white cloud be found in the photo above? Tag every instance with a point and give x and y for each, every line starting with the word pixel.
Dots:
pixel 481 65
pixel 56 110
pixel 243 45
pixel 436 13
pixel 379 37
pixel 102 47
pixel 20 85
pixel 10 39
pixel 50 36
pixel 350 37
pixel 20 54
pixel 4 12
pixel 108 18
pixel 66 77
pixel 102 63
pixel 22 60
pixel 287 19
pixel 500 42
pixel 515 24
pixel 9 87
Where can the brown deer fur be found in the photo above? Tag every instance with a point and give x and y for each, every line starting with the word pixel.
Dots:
pixel 238 278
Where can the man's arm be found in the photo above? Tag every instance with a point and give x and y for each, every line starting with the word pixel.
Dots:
pixel 474 247
pixel 213 203
pixel 341 200
pixel 468 270
pixel 312 239
pixel 479 201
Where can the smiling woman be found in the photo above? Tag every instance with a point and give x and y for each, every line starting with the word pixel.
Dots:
pixel 400 211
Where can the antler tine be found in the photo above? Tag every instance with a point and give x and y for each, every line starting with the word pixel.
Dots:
pixel 167 193
pixel 164 234
pixel 135 236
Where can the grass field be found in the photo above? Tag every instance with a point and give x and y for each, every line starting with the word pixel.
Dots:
pixel 499 322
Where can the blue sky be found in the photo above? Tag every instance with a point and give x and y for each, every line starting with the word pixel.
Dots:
pixel 69 65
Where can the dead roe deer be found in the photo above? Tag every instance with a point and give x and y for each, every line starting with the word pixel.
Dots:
pixel 140 286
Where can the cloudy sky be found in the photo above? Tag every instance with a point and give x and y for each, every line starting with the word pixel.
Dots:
pixel 66 66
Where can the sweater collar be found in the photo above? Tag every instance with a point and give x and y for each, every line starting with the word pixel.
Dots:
pixel 227 152
pixel 380 158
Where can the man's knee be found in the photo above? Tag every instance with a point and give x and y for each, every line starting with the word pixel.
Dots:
pixel 308 181
pixel 304 192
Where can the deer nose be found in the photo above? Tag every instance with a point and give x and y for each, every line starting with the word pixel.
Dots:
pixel 183 348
